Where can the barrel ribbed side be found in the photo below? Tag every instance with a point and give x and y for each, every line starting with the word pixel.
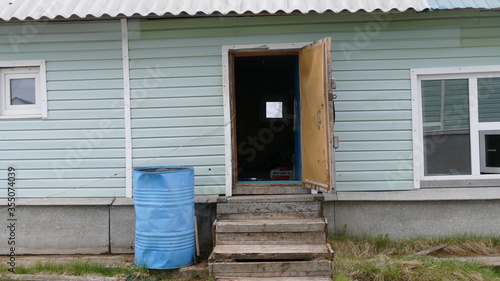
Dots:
pixel 164 207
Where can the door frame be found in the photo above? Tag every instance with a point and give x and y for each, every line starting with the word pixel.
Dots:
pixel 227 90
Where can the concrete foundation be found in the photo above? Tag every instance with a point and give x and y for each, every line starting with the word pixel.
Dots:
pixel 107 225
pixel 411 219
pixel 63 229
pixel 83 226
pixel 121 226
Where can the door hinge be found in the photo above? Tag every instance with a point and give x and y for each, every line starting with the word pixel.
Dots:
pixel 336 142
pixel 333 85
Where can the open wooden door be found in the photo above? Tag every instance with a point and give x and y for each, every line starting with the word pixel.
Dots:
pixel 317 114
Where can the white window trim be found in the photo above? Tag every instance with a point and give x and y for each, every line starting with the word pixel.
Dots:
pixel 41 82
pixel 417 75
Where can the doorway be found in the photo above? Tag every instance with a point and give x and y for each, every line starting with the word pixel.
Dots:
pixel 278 107
pixel 267 114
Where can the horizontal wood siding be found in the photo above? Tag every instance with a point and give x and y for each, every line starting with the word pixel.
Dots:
pixel 177 111
pixel 78 151
pixel 176 89
pixel 372 57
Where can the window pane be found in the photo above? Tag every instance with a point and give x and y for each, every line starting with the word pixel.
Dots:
pixel 431 105
pixel 445 112
pixel 492 143
pixel 22 91
pixel 489 99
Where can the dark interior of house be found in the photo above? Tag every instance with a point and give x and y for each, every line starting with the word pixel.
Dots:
pixel 266 98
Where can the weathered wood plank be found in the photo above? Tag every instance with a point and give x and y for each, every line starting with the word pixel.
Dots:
pixel 269 238
pixel 430 250
pixel 315 268
pixel 277 225
pixel 280 198
pixel 271 252
pixel 272 207
pixel 269 215
pixel 309 278
pixel 30 277
pixel 253 189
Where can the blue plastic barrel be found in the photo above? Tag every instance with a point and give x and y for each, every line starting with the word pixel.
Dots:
pixel 164 209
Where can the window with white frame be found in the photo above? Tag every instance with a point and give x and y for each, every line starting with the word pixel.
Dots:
pixel 22 89
pixel 456 123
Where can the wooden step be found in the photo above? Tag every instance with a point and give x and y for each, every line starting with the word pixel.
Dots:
pixel 269 238
pixel 269 206
pixel 274 279
pixel 276 225
pixel 287 269
pixel 279 232
pixel 271 252
pixel 270 198
pixel 269 210
pixel 261 189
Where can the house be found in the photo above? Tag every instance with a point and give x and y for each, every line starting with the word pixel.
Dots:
pixel 216 85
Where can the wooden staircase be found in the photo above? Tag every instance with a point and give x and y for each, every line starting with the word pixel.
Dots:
pixel 271 237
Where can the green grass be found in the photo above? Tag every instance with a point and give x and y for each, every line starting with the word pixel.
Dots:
pixel 76 268
pixel 379 258
pixel 356 258
pixel 385 268
pixel 92 268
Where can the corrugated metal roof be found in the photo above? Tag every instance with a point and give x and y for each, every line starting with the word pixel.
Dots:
pixel 65 9
pixel 463 4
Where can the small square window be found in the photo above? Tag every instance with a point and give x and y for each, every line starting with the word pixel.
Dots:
pixel 22 90
pixel 489 143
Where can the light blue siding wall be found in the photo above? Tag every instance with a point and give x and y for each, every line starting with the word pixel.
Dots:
pixel 177 113
pixel 79 148
pixel 177 106
pixel 372 57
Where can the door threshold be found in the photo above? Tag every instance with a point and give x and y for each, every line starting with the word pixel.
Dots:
pixel 284 182
pixel 268 188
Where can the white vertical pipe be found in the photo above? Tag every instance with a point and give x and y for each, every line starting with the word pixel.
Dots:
pixel 127 109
